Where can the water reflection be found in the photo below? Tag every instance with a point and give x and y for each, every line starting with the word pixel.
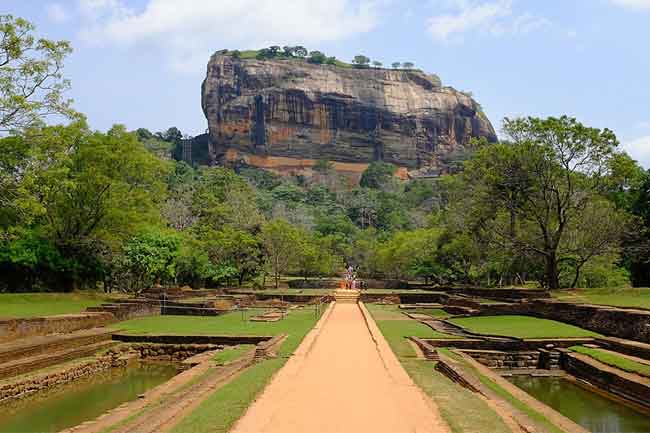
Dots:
pixel 592 411
pixel 82 400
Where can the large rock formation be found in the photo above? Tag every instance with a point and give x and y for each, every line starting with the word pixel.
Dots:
pixel 286 114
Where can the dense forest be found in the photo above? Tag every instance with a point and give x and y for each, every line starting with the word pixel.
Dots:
pixel 555 203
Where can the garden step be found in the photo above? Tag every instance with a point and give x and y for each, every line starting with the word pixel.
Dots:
pixel 343 296
pixel 25 365
pixel 32 346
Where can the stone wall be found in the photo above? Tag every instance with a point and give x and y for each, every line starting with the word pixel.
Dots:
pixel 506 360
pixel 501 294
pixel 313 284
pixel 512 345
pixel 128 309
pixel 39 382
pixel 226 340
pixel 607 380
pixel 633 348
pixel 171 352
pixel 13 329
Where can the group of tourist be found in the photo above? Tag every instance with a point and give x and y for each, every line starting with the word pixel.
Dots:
pixel 351 281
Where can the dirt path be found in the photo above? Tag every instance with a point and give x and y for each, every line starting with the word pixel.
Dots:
pixel 348 380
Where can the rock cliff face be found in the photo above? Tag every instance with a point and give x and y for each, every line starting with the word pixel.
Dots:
pixel 286 114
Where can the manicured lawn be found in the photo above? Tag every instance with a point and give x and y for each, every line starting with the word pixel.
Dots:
pixel 521 327
pixel 227 324
pixel 396 328
pixel 231 401
pixel 614 360
pixel 631 298
pixel 46 304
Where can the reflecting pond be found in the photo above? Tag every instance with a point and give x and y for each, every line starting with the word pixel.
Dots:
pixel 594 412
pixel 82 400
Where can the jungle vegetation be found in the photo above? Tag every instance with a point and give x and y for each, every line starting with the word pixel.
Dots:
pixel 554 203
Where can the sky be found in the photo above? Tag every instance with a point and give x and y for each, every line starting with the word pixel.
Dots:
pixel 141 62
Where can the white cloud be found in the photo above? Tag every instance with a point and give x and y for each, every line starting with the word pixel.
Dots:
pixel 494 17
pixel 639 149
pixel 56 13
pixel 188 34
pixel 633 4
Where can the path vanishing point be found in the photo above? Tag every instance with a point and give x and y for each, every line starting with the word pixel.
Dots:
pixel 342 378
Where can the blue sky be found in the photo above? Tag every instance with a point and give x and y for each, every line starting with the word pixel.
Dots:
pixel 141 62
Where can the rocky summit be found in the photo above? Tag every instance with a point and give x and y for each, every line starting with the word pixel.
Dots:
pixel 284 115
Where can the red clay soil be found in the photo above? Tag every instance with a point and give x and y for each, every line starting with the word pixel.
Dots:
pixel 346 380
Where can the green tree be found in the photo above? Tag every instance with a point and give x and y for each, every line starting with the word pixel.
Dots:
pixel 408 65
pixel 525 195
pixel 151 258
pixel 280 239
pixel 377 64
pixel 234 248
pixel 317 57
pixel 360 61
pixel 32 86
pixel 89 190
pixel 396 65
pixel 596 232
pixel 300 51
pixel 378 175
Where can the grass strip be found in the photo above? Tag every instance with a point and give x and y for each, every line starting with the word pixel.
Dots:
pixel 475 415
pixel 613 360
pixel 535 416
pixel 218 412
pixel 223 408
pixel 232 353
pixel 463 410
pixel 488 382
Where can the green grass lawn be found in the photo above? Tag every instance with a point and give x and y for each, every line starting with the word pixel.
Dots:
pixel 224 407
pixel 234 323
pixel 47 304
pixel 614 360
pixel 631 297
pixel 521 327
